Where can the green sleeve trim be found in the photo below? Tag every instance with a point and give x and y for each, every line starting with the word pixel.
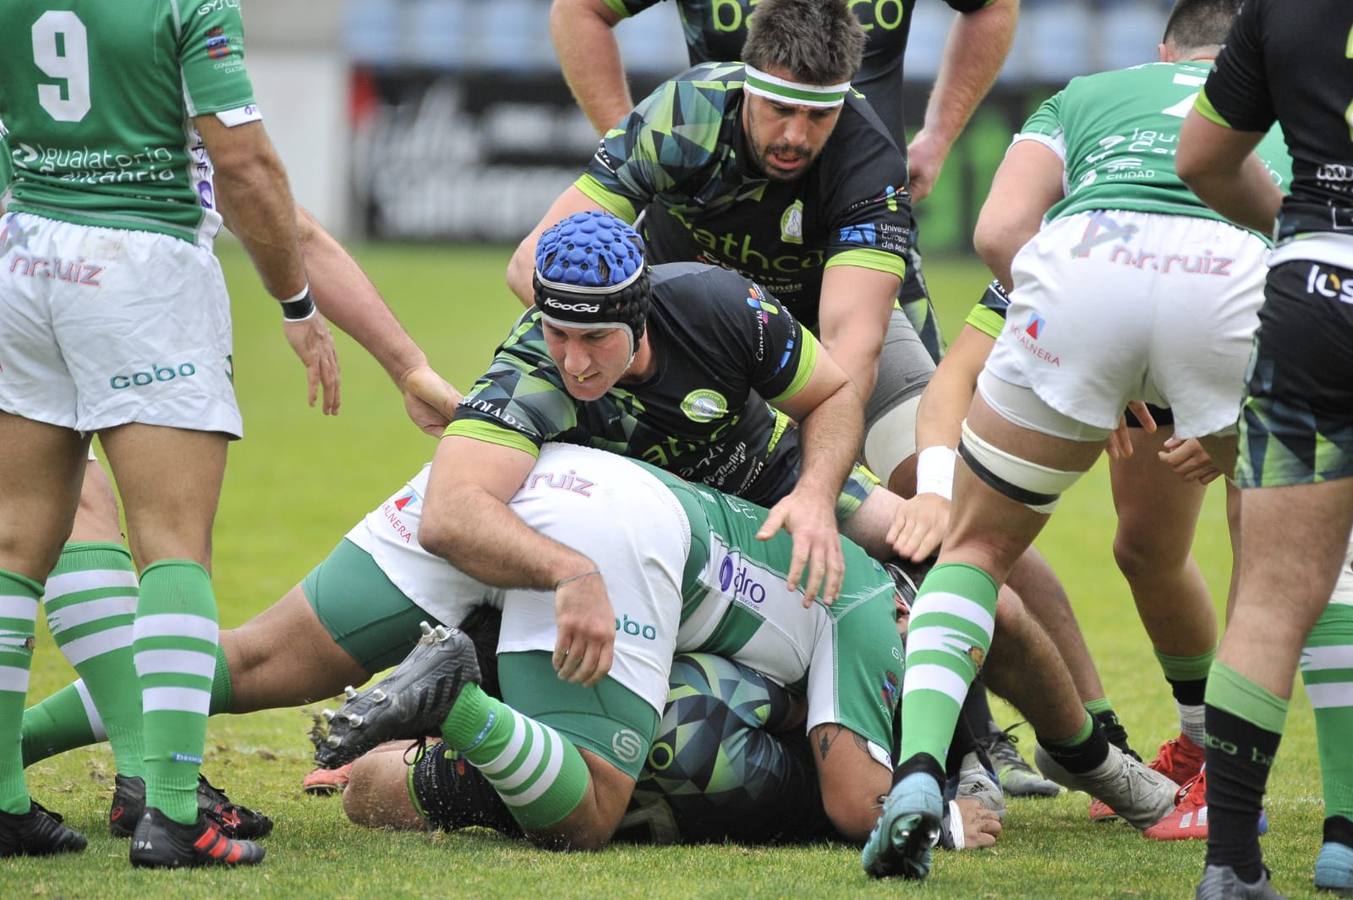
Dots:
pixel 489 433
pixel 987 321
pixel 608 200
pixel 1208 111
pixel 807 366
pixel 878 260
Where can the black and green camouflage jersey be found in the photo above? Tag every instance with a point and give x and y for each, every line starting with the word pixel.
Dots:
pixel 716 30
pixel 1294 69
pixel 718 340
pixel 681 154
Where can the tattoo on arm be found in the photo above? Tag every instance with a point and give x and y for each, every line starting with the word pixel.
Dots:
pixel 830 733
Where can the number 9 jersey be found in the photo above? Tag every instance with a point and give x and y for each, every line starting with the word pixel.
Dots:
pixel 96 101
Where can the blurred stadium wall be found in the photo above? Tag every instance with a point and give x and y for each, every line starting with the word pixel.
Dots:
pixel 447 120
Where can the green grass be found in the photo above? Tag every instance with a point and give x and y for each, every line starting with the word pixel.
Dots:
pixel 299 481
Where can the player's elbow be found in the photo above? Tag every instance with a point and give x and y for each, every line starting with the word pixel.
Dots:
pixel 996 242
pixel 519 270
pixel 437 533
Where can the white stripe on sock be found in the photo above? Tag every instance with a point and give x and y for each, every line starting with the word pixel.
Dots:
pixel 181 662
pixel 96 644
pixel 1313 659
pixel 938 637
pixel 954 605
pixel 547 778
pixel 935 678
pixel 90 611
pixel 1330 696
pixel 176 625
pixel 14 680
pixel 533 758
pixel 88 580
pixel 504 759
pixel 91 711
pixel 175 699
pixel 18 606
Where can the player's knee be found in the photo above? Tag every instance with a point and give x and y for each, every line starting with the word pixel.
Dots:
pixel 1140 553
pixel 360 803
pixel 373 798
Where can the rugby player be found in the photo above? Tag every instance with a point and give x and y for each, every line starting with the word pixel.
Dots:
pixel 108 202
pixel 776 169
pixel 716 30
pixel 1297 497
pixel 1132 290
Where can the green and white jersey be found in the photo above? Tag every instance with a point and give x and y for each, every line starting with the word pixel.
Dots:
pixel 1116 134
pixel 97 99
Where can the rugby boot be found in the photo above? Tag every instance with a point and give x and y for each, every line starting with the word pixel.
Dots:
pixel 1017 777
pixel 323 782
pixel 1222 883
pixel 1140 795
pixel 410 702
pixel 977 782
pixel 1179 759
pixel 38 832
pixel 161 843
pixel 1334 869
pixel 907 830
pixel 235 821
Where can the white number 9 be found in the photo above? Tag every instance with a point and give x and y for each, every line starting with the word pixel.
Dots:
pixel 61 50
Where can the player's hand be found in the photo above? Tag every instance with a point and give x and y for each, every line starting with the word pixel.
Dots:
pixel 586 630
pixel 981 826
pixel 1189 460
pixel 817 545
pixel 919 526
pixel 1120 441
pixel 925 160
pixel 429 399
pixel 313 343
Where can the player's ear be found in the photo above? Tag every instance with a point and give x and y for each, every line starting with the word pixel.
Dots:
pixel 1165 53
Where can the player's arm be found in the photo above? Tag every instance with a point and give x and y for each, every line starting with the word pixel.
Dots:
pixel 831 421
pixel 466 521
pixel 522 264
pixel 973 55
pixel 255 201
pixel 1218 163
pixel 1026 185
pixel 589 57
pixel 348 299
pixel 853 317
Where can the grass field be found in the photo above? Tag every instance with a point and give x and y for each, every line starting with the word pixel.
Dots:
pixel 300 481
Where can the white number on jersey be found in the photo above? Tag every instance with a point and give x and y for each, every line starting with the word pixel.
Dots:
pixel 1181 109
pixel 61 50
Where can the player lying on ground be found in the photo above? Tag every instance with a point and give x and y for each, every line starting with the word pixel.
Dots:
pixel 1132 290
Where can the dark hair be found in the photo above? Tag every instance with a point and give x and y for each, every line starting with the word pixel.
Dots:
pixel 816 41
pixel 1200 23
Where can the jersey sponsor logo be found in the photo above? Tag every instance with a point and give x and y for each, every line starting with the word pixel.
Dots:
pixel 156 373
pixel 567 481
pixel 1101 229
pixel 890 690
pixel 704 405
pixel 212 6
pixel 635 629
pixel 492 409
pixel 764 308
pixel 93 165
pixel 735 580
pixel 864 234
pixel 556 303
pixel 734 251
pixel 403 530
pixel 1329 284
pixel 1035 325
pixel 1029 341
pixel 75 271
pixel 218 43
pixel 791 223
pixel 627 745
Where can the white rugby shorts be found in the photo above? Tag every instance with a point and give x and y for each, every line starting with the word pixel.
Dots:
pixel 105 327
pixel 1112 306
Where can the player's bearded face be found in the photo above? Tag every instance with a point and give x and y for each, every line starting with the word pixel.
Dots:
pixel 590 360
pixel 786 138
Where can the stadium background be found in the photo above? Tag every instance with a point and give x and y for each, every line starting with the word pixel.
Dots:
pixel 407 123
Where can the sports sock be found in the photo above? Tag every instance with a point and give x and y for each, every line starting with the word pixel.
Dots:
pixel 222 689
pixel 537 771
pixel 63 721
pixel 1244 727
pixel 1187 677
pixel 977 710
pixel 1101 710
pixel 175 645
pixel 18 618
pixel 91 604
pixel 1085 750
pixel 1327 672
pixel 949 636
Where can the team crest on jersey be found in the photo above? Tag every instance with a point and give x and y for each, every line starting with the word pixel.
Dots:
pixel 218 44
pixel 704 405
pixel 791 223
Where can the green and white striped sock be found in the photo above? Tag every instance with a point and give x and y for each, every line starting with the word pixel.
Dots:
pixel 175 646
pixel 91 604
pixel 18 617
pixel 63 721
pixel 1327 672
pixel 948 638
pixel 537 771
